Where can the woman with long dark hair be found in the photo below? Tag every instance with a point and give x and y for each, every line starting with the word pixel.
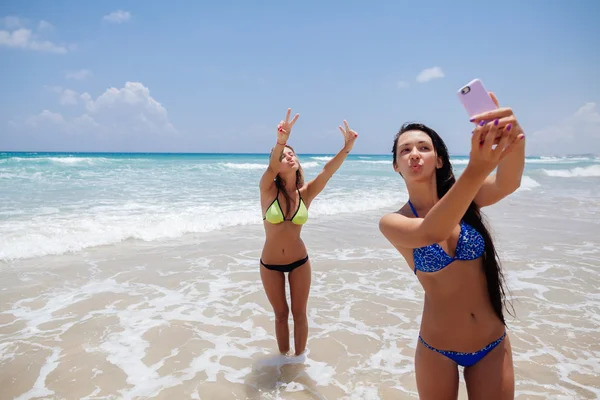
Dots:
pixel 285 200
pixel 442 235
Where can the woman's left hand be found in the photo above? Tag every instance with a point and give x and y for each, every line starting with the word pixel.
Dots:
pixel 349 136
pixel 507 121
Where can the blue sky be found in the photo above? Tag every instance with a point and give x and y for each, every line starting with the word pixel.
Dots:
pixel 218 77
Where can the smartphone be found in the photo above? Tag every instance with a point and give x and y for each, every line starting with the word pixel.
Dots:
pixel 475 99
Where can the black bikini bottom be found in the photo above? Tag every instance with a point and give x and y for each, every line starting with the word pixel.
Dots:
pixel 287 267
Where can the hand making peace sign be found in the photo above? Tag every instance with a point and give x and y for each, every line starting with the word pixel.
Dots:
pixel 349 136
pixel 285 127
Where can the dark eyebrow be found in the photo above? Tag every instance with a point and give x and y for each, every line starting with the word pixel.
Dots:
pixel 419 142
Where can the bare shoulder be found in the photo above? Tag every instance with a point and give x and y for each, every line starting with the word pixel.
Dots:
pixel 390 224
pixel 393 220
pixel 403 230
pixel 396 217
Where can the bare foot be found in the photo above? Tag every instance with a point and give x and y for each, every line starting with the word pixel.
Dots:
pixel 299 354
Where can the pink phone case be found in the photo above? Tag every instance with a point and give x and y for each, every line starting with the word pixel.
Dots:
pixel 475 98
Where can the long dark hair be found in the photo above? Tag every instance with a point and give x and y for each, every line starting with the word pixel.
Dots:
pixel 280 183
pixel 444 177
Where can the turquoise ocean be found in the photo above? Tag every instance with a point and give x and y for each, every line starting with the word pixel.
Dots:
pixel 54 203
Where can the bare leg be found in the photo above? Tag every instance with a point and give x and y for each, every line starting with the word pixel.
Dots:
pixel 300 280
pixel 437 375
pixel 493 377
pixel 274 284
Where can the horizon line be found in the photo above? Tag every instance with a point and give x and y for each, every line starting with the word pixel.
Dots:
pixel 251 153
pixel 171 152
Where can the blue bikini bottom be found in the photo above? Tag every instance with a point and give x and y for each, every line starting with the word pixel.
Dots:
pixel 466 359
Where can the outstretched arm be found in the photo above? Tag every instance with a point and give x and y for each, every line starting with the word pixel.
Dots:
pixel 268 178
pixel 283 132
pixel 506 180
pixel 508 175
pixel 315 186
pixel 443 217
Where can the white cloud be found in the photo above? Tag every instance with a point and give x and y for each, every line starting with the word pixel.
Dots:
pixel 46 117
pixel 577 134
pixel 124 111
pixel 402 84
pixel 80 75
pixel 429 74
pixel 86 98
pixel 19 37
pixel 132 107
pixel 84 121
pixel 66 96
pixel 24 39
pixel 45 26
pixel 12 22
pixel 587 113
pixel 118 16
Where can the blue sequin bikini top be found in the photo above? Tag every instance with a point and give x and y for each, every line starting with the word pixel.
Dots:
pixel 433 258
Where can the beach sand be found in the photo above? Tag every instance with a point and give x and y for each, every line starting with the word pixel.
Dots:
pixel 188 318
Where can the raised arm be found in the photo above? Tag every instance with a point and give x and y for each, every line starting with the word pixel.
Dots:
pixel 315 186
pixel 283 133
pixel 443 217
pixel 508 175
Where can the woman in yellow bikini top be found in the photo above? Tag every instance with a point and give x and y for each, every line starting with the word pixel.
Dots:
pixel 274 214
pixel 284 251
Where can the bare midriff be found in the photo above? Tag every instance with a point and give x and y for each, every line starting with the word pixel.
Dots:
pixel 283 244
pixel 457 313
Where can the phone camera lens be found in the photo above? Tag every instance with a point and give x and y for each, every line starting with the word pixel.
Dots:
pixel 465 90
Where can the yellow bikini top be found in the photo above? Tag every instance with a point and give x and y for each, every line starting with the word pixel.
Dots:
pixel 274 214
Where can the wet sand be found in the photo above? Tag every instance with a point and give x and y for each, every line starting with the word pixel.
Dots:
pixel 188 318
